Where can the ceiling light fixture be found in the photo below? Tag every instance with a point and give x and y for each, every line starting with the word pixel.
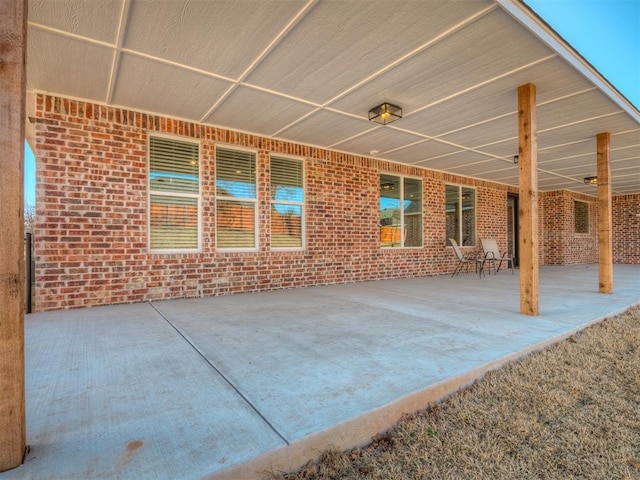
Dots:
pixel 385 113
pixel 591 180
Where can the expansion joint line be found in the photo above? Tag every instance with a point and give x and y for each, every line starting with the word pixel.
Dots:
pixel 224 377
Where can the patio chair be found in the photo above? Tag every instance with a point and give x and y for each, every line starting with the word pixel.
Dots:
pixel 492 255
pixel 463 260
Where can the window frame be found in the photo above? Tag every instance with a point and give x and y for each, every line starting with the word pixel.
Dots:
pixel 197 196
pixel 301 204
pixel 226 198
pixel 402 225
pixel 587 217
pixel 460 232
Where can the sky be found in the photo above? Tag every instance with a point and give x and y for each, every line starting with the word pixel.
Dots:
pixel 605 32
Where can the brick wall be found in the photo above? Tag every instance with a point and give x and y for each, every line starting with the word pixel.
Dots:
pixel 560 244
pixel 91 229
pixel 91 232
pixel 626 229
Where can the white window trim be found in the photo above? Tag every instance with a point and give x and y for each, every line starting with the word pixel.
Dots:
pixel 402 214
pixel 236 199
pixel 475 210
pixel 164 251
pixel 302 204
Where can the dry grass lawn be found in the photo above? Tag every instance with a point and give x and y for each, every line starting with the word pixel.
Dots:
pixel 570 411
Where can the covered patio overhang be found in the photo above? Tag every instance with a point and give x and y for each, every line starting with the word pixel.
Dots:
pixel 232 387
pixel 308 72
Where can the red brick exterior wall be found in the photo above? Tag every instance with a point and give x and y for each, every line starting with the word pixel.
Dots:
pixel 92 210
pixel 559 243
pixel 626 229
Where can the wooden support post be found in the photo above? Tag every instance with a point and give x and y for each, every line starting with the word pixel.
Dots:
pixel 528 199
pixel 605 229
pixel 13 34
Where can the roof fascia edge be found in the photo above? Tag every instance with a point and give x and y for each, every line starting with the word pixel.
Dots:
pixel 529 19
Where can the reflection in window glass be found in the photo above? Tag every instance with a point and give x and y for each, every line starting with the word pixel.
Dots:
pixel 235 199
pixel 400 211
pixel 581 216
pixel 412 212
pixel 174 194
pixel 287 202
pixel 468 216
pixel 460 207
pixel 452 206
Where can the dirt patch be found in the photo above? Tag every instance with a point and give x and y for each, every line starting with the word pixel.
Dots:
pixel 570 411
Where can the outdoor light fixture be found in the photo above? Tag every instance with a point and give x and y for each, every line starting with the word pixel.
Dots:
pixel 385 113
pixel 591 180
pixel 516 158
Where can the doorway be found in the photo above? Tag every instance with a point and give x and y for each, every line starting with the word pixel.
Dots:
pixel 512 227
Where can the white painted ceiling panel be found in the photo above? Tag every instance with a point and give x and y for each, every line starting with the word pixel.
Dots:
pixel 571 109
pixel 505 149
pixel 326 128
pixel 145 84
pixel 485 49
pixel 626 140
pixel 381 138
pixel 453 162
pixel 417 154
pixel 454 115
pixel 577 171
pixel 495 131
pixel 223 37
pixel 628 169
pixel 80 75
pixel 97 20
pixel 571 168
pixel 509 178
pixel 339 44
pixel 256 111
pixel 309 71
pixel 628 183
pixel 479 168
pixel 582 131
pixel 577 149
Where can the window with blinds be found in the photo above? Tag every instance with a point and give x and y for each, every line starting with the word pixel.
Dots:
pixel 235 199
pixel 581 216
pixel 287 203
pixel 174 195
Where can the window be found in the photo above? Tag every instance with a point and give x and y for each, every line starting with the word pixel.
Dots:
pixel 236 199
pixel 581 216
pixel 287 203
pixel 461 215
pixel 174 195
pixel 400 211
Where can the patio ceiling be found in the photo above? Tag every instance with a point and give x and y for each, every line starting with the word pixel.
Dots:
pixel 308 71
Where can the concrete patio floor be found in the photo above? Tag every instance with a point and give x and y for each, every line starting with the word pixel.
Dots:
pixel 228 387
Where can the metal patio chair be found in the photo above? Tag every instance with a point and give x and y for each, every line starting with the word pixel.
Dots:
pixel 493 256
pixel 463 260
